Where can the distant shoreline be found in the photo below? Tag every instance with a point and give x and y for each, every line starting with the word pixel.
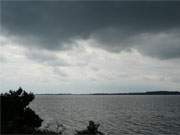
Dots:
pixel 130 93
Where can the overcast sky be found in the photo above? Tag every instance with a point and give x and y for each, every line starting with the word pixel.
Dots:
pixel 90 47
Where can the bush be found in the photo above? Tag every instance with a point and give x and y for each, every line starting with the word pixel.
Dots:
pixel 92 129
pixel 16 116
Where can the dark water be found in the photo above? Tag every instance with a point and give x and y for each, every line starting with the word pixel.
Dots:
pixel 118 115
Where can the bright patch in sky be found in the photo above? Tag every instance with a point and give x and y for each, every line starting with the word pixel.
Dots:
pixel 84 69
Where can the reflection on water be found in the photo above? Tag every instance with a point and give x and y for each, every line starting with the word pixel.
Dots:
pixel 147 115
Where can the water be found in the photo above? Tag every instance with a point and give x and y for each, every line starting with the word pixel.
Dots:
pixel 117 115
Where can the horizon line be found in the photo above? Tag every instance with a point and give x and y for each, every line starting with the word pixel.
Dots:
pixel 117 93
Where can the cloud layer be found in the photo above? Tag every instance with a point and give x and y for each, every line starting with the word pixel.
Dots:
pixel 94 46
pixel 84 69
pixel 116 25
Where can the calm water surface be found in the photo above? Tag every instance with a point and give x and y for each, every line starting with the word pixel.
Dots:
pixel 118 115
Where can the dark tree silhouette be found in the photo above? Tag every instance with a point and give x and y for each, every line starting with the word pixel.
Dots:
pixel 92 129
pixel 16 116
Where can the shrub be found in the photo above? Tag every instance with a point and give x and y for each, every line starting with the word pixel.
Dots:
pixel 92 129
pixel 16 116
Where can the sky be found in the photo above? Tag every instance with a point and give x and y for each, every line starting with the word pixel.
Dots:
pixel 90 47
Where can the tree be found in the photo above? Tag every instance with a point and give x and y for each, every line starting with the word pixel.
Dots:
pixel 16 115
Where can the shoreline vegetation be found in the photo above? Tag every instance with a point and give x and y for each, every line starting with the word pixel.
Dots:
pixel 18 118
pixel 131 93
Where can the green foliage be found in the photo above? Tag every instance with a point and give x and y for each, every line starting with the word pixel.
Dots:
pixel 16 116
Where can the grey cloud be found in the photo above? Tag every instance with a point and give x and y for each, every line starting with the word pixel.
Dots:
pixel 3 59
pixel 112 24
pixel 175 79
pixel 45 57
pixel 59 72
pixel 95 69
pixel 113 39
pixel 162 45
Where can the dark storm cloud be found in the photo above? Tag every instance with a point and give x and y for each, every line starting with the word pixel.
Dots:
pixel 164 45
pixel 112 24
pixel 160 44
